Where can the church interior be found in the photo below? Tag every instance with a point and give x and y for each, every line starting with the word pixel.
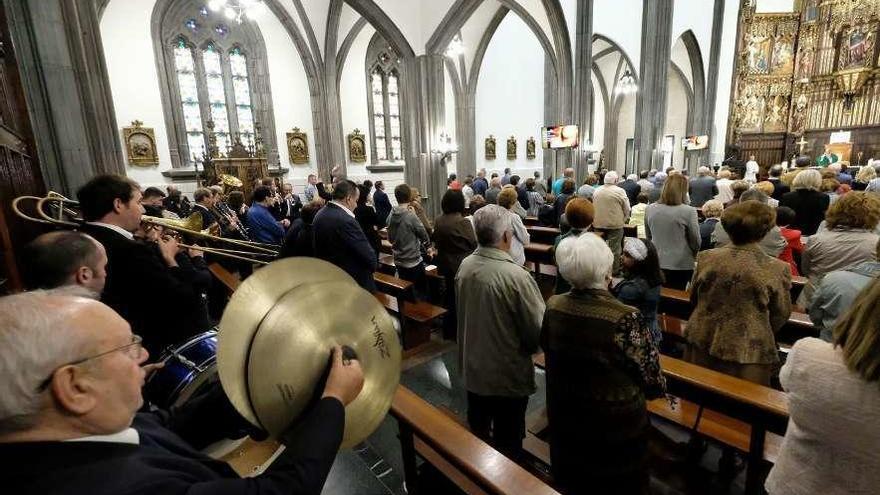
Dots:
pixel 388 247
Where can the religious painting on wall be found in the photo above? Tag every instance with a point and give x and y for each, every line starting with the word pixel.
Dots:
pixel 783 57
pixel 511 148
pixel 490 147
pixel 357 147
pixel 298 147
pixel 140 144
pixel 758 51
pixel 811 11
pixel 530 148
pixel 857 48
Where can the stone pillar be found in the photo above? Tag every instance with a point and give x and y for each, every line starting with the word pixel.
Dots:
pixel 67 87
pixel 653 69
pixel 552 167
pixel 425 110
pixel 583 87
pixel 712 81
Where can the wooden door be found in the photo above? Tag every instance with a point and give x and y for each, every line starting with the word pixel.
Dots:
pixel 19 171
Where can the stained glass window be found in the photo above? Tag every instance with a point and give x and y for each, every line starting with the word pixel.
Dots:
pixel 216 95
pixel 241 90
pixel 189 97
pixel 394 117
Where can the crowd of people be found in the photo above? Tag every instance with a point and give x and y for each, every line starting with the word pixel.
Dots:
pixel 120 291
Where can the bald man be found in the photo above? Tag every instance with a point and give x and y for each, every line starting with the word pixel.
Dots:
pixel 70 389
pixel 64 258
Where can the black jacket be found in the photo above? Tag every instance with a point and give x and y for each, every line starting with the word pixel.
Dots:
pixel 632 189
pixel 208 217
pixel 809 207
pixel 163 305
pixel 299 240
pixel 164 463
pixel 383 206
pixel 779 189
pixel 340 240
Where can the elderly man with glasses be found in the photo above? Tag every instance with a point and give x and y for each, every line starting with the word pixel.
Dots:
pixel 70 388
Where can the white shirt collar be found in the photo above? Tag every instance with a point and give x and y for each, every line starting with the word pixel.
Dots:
pixel 128 435
pixel 128 235
pixel 344 208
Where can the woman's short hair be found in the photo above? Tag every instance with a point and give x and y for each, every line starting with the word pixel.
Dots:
pixel 829 185
pixel 713 208
pixel 748 221
pixel 858 210
pixel 568 186
pixel 235 200
pixel 452 202
pixel 530 184
pixel 858 335
pixel 766 187
pixel 507 197
pixel 584 261
pixel 674 190
pixel 738 188
pixel 866 174
pixel 807 179
pixel 579 213
pixel 785 216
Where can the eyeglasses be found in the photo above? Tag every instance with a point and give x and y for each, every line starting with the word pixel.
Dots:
pixel 133 349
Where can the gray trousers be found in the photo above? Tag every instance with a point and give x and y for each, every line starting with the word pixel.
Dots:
pixel 614 239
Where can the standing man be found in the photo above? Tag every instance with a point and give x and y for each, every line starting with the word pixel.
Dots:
pixel 480 183
pixel 500 311
pixel 557 184
pixel 612 211
pixel 381 202
pixel 522 196
pixel 632 188
pixel 540 185
pixel 311 191
pixel 505 179
pixel 262 225
pixel 752 169
pixel 492 193
pixel 724 185
pixel 290 203
pixel 339 238
pixel 702 188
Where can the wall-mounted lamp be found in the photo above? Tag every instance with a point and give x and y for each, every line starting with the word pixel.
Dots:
pixel 627 85
pixel 455 47
pixel 445 147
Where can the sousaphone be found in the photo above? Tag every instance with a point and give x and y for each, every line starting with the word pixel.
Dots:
pixel 275 340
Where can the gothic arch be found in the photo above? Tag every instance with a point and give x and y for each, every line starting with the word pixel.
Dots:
pixel 698 76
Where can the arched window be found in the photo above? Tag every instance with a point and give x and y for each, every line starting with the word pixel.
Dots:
pixel 383 102
pixel 213 72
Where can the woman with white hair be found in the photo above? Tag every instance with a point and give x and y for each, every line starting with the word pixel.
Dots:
pixel 807 201
pixel 599 431
pixel 865 175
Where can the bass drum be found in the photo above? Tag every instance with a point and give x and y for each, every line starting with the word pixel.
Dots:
pixel 188 367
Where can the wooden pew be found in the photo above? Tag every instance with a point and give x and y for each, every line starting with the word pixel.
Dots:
pixel 542 234
pixel 470 463
pixel 750 411
pixel 397 287
pixel 539 254
pixel 224 276
pixel 677 303
pixel 531 221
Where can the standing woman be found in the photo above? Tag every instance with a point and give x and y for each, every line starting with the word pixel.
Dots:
pixel 741 299
pixel 602 367
pixel 507 199
pixel 642 280
pixel 833 432
pixel 808 203
pixel 454 239
pixel 368 219
pixel 673 227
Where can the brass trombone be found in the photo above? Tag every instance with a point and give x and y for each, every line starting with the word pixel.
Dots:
pixel 64 213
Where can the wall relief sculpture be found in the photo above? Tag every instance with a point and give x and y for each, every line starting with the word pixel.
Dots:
pixel 298 146
pixel 357 147
pixel 511 148
pixel 490 147
pixel 530 148
pixel 140 144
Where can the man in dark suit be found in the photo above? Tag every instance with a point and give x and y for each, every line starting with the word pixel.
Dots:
pixel 632 188
pixel 204 202
pixel 381 202
pixel 339 238
pixel 161 296
pixel 779 187
pixel 67 428
pixel 702 188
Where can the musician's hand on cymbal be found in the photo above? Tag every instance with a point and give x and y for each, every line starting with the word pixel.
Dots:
pixel 345 380
pixel 168 247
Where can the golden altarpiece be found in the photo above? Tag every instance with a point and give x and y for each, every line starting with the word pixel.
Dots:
pixel 804 75
pixel 246 161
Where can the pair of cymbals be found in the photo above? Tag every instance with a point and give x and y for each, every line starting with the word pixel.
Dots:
pixel 275 339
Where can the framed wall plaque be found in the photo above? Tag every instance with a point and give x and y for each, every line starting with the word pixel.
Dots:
pixel 490 147
pixel 298 146
pixel 140 145
pixel 357 147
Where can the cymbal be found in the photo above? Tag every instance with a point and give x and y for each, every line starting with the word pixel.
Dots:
pixel 275 340
pixel 248 306
pixel 290 354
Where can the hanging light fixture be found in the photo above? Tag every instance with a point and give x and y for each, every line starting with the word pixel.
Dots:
pixel 237 10
pixel 627 85
pixel 455 48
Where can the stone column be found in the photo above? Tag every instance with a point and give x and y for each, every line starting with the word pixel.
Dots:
pixel 426 113
pixel 67 86
pixel 712 81
pixel 582 97
pixel 653 69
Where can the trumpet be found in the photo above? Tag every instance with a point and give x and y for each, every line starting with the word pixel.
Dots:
pixel 56 209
